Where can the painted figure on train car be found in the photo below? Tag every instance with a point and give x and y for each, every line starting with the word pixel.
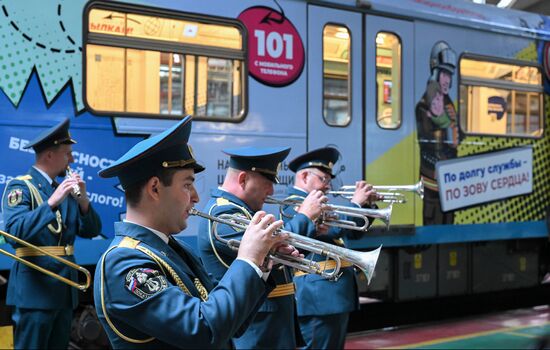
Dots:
pixel 438 134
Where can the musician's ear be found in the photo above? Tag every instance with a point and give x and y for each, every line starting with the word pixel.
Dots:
pixel 242 177
pixel 152 186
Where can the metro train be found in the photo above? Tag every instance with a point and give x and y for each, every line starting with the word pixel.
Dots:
pixel 450 93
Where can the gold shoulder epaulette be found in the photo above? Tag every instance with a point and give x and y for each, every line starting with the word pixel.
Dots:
pixel 222 201
pixel 128 242
pixel 24 177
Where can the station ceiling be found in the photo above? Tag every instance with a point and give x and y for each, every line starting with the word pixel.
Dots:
pixel 536 6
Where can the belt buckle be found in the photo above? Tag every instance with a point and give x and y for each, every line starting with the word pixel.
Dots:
pixel 66 249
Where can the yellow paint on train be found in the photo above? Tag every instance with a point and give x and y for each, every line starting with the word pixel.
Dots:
pixel 388 170
pixel 6 337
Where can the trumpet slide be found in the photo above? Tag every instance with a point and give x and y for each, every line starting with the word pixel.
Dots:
pixel 40 251
pixel 366 261
pixel 331 214
pixel 76 188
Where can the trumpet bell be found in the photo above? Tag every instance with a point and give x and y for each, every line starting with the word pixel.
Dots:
pixel 365 261
pixel 391 195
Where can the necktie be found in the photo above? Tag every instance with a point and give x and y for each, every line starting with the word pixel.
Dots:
pixel 55 184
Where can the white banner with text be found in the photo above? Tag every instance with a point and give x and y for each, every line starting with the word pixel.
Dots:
pixel 478 179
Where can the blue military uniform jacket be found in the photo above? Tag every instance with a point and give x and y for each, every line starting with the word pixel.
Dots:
pixel 153 295
pixel 316 295
pixel 274 326
pixel 26 219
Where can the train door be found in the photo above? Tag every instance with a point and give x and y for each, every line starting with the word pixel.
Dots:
pixel 334 70
pixel 390 140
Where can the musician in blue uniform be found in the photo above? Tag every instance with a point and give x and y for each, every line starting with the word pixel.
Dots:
pixel 151 291
pixel 47 214
pixel 248 181
pixel 323 305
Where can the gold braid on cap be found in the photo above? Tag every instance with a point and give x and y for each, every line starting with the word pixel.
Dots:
pixel 180 163
pixel 177 163
pixel 322 165
pixel 267 171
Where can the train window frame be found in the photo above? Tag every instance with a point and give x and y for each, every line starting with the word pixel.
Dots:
pixel 499 85
pixel 400 123
pixel 185 50
pixel 349 80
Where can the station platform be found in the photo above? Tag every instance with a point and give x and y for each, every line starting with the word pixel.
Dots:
pixel 515 329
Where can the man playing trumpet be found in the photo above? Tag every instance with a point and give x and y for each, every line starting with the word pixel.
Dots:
pixel 152 292
pixel 44 213
pixel 323 306
pixel 248 182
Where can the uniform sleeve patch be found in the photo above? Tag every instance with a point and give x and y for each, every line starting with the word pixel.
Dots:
pixel 145 282
pixel 15 197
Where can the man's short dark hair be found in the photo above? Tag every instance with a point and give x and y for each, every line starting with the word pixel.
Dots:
pixel 133 192
pixel 40 149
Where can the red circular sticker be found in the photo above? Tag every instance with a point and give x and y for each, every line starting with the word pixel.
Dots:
pixel 275 49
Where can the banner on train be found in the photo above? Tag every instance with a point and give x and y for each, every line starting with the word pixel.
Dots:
pixel 469 181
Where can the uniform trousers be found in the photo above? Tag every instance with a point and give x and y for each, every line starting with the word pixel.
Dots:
pixel 324 332
pixel 42 329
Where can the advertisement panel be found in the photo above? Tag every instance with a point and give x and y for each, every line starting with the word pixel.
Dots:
pixel 472 180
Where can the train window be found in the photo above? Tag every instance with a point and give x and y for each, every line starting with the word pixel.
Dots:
pixel 499 98
pixel 388 80
pixel 147 65
pixel 336 75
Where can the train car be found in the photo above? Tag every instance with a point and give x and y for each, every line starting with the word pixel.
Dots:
pixel 449 93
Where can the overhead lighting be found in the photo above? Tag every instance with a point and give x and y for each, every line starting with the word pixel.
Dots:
pixel 506 3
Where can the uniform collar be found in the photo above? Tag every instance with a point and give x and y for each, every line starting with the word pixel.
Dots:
pixel 140 233
pixel 156 232
pixel 43 173
pixel 220 192
pixel 297 191
pixel 40 181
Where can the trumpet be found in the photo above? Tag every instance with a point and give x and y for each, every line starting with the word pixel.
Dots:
pixel 76 188
pixel 41 251
pixel 392 195
pixel 331 213
pixel 388 197
pixel 366 261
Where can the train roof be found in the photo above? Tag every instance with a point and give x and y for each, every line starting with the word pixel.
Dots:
pixel 463 13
